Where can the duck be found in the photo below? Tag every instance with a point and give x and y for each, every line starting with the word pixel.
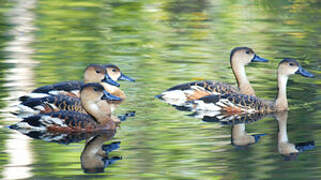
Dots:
pixel 66 94
pixel 107 75
pixel 239 58
pixel 96 101
pixel 54 103
pixel 242 103
pixel 285 148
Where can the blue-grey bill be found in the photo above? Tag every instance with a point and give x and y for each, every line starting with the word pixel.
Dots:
pixel 108 80
pixel 257 58
pixel 304 72
pixel 123 77
pixel 109 97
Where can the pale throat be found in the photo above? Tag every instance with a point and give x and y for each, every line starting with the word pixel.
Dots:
pixel 242 81
pixel 281 100
pixel 100 110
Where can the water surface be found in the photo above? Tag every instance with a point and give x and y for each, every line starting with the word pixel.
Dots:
pixel 161 44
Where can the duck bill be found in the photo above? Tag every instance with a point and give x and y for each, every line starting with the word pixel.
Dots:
pixel 304 72
pixel 258 136
pixel 123 77
pixel 257 58
pixel 108 80
pixel 109 97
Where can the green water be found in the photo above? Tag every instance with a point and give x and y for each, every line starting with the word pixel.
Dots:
pixel 161 44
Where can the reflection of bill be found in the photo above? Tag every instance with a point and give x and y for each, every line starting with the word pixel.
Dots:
pixel 240 138
pixel 94 158
pixel 289 150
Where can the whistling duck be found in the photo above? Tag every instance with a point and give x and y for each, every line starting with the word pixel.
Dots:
pixel 285 148
pixel 239 58
pixel 107 75
pixel 54 103
pixel 240 103
pixel 64 96
pixel 96 102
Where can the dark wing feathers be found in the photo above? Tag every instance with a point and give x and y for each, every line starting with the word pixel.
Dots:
pixel 62 86
pixel 211 98
pixel 211 86
pixel 74 119
pixel 33 120
pixel 241 100
pixel 62 102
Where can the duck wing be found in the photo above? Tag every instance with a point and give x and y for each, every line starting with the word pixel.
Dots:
pixel 69 88
pixel 179 94
pixel 230 103
pixel 48 104
pixel 61 121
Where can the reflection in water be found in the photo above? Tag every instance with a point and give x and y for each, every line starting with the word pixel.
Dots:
pixel 226 118
pixel 94 158
pixel 240 138
pixel 19 79
pixel 287 149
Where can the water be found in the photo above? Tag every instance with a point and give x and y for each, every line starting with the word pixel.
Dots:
pixel 161 44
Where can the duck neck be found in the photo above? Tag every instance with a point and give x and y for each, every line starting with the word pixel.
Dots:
pixel 242 81
pixel 281 102
pixel 99 110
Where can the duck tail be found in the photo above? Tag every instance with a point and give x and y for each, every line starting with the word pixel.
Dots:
pixel 32 95
pixel 175 97
pixel 32 123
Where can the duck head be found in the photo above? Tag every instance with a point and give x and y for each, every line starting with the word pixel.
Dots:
pixel 244 56
pixel 96 100
pixel 97 73
pixel 115 74
pixel 240 57
pixel 290 66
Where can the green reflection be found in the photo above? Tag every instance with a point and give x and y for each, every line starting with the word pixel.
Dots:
pixel 164 43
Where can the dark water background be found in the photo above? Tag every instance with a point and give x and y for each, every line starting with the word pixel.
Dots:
pixel 161 44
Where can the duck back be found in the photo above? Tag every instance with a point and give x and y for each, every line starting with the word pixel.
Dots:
pixel 61 121
pixel 179 94
pixel 48 104
pixel 69 88
pixel 232 104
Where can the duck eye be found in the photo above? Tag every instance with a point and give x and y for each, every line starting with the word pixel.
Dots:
pixel 291 64
pixel 97 71
pixel 247 52
pixel 95 89
pixel 114 70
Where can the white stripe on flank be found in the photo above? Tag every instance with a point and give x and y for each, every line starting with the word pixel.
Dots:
pixel 37 95
pixel 176 97
pixel 48 120
pixel 25 109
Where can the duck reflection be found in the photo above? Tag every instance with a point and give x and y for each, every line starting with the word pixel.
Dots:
pixel 289 150
pixel 95 156
pixel 240 138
